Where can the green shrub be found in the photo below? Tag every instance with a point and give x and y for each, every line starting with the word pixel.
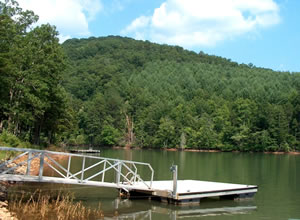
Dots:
pixel 9 139
pixel 109 136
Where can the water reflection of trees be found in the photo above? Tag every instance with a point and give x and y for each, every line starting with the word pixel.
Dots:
pixel 125 210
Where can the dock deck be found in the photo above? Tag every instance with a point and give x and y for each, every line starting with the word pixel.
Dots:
pixel 86 151
pixel 189 191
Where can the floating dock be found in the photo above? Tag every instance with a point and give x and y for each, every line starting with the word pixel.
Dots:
pixel 189 191
pixel 85 151
pixel 192 191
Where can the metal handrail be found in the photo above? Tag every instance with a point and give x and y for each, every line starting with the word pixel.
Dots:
pixel 67 154
pixel 122 168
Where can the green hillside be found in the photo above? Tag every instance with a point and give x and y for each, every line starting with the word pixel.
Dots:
pixel 115 91
pixel 137 93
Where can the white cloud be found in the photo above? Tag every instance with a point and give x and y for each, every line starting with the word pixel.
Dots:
pixel 71 17
pixel 203 22
pixel 63 38
pixel 140 22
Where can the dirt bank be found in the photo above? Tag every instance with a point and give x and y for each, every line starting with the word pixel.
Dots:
pixel 35 164
pixel 34 170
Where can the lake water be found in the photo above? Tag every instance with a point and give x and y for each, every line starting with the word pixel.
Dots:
pixel 277 176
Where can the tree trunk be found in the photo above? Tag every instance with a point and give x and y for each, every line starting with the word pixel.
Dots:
pixel 9 122
pixel 50 137
pixel 16 129
pixel 37 133
pixel 130 134
pixel 11 115
pixel 1 126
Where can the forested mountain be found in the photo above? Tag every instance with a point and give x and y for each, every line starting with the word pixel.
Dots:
pixel 136 93
pixel 118 91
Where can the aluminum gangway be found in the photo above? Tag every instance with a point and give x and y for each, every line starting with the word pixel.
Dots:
pixel 98 172
pixel 132 179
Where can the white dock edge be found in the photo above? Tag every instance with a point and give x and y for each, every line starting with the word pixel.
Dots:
pixel 190 191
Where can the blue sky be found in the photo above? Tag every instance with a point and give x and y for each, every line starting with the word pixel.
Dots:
pixel 263 32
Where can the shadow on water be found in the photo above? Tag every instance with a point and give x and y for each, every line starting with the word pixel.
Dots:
pixel 128 209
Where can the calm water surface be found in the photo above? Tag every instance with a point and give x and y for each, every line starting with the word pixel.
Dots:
pixel 278 178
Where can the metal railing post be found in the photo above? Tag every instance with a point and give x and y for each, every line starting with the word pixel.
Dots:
pixel 69 166
pixel 42 157
pixel 103 174
pixel 28 163
pixel 118 172
pixel 82 171
pixel 135 174
pixel 152 175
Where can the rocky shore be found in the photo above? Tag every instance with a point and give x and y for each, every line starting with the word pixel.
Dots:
pixel 5 214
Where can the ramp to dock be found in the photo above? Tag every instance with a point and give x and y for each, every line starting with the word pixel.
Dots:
pixel 127 178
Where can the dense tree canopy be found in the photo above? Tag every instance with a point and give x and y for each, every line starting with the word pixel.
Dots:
pixel 128 92
pixel 32 101
pixel 118 91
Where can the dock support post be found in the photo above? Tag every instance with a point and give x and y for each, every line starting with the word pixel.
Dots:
pixel 174 171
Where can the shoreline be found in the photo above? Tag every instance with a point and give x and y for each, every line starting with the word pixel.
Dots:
pixel 205 151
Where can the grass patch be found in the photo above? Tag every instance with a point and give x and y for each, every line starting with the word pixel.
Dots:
pixel 2 155
pixel 40 206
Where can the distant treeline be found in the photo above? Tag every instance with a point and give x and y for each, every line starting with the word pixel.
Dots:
pixel 112 90
pixel 128 92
